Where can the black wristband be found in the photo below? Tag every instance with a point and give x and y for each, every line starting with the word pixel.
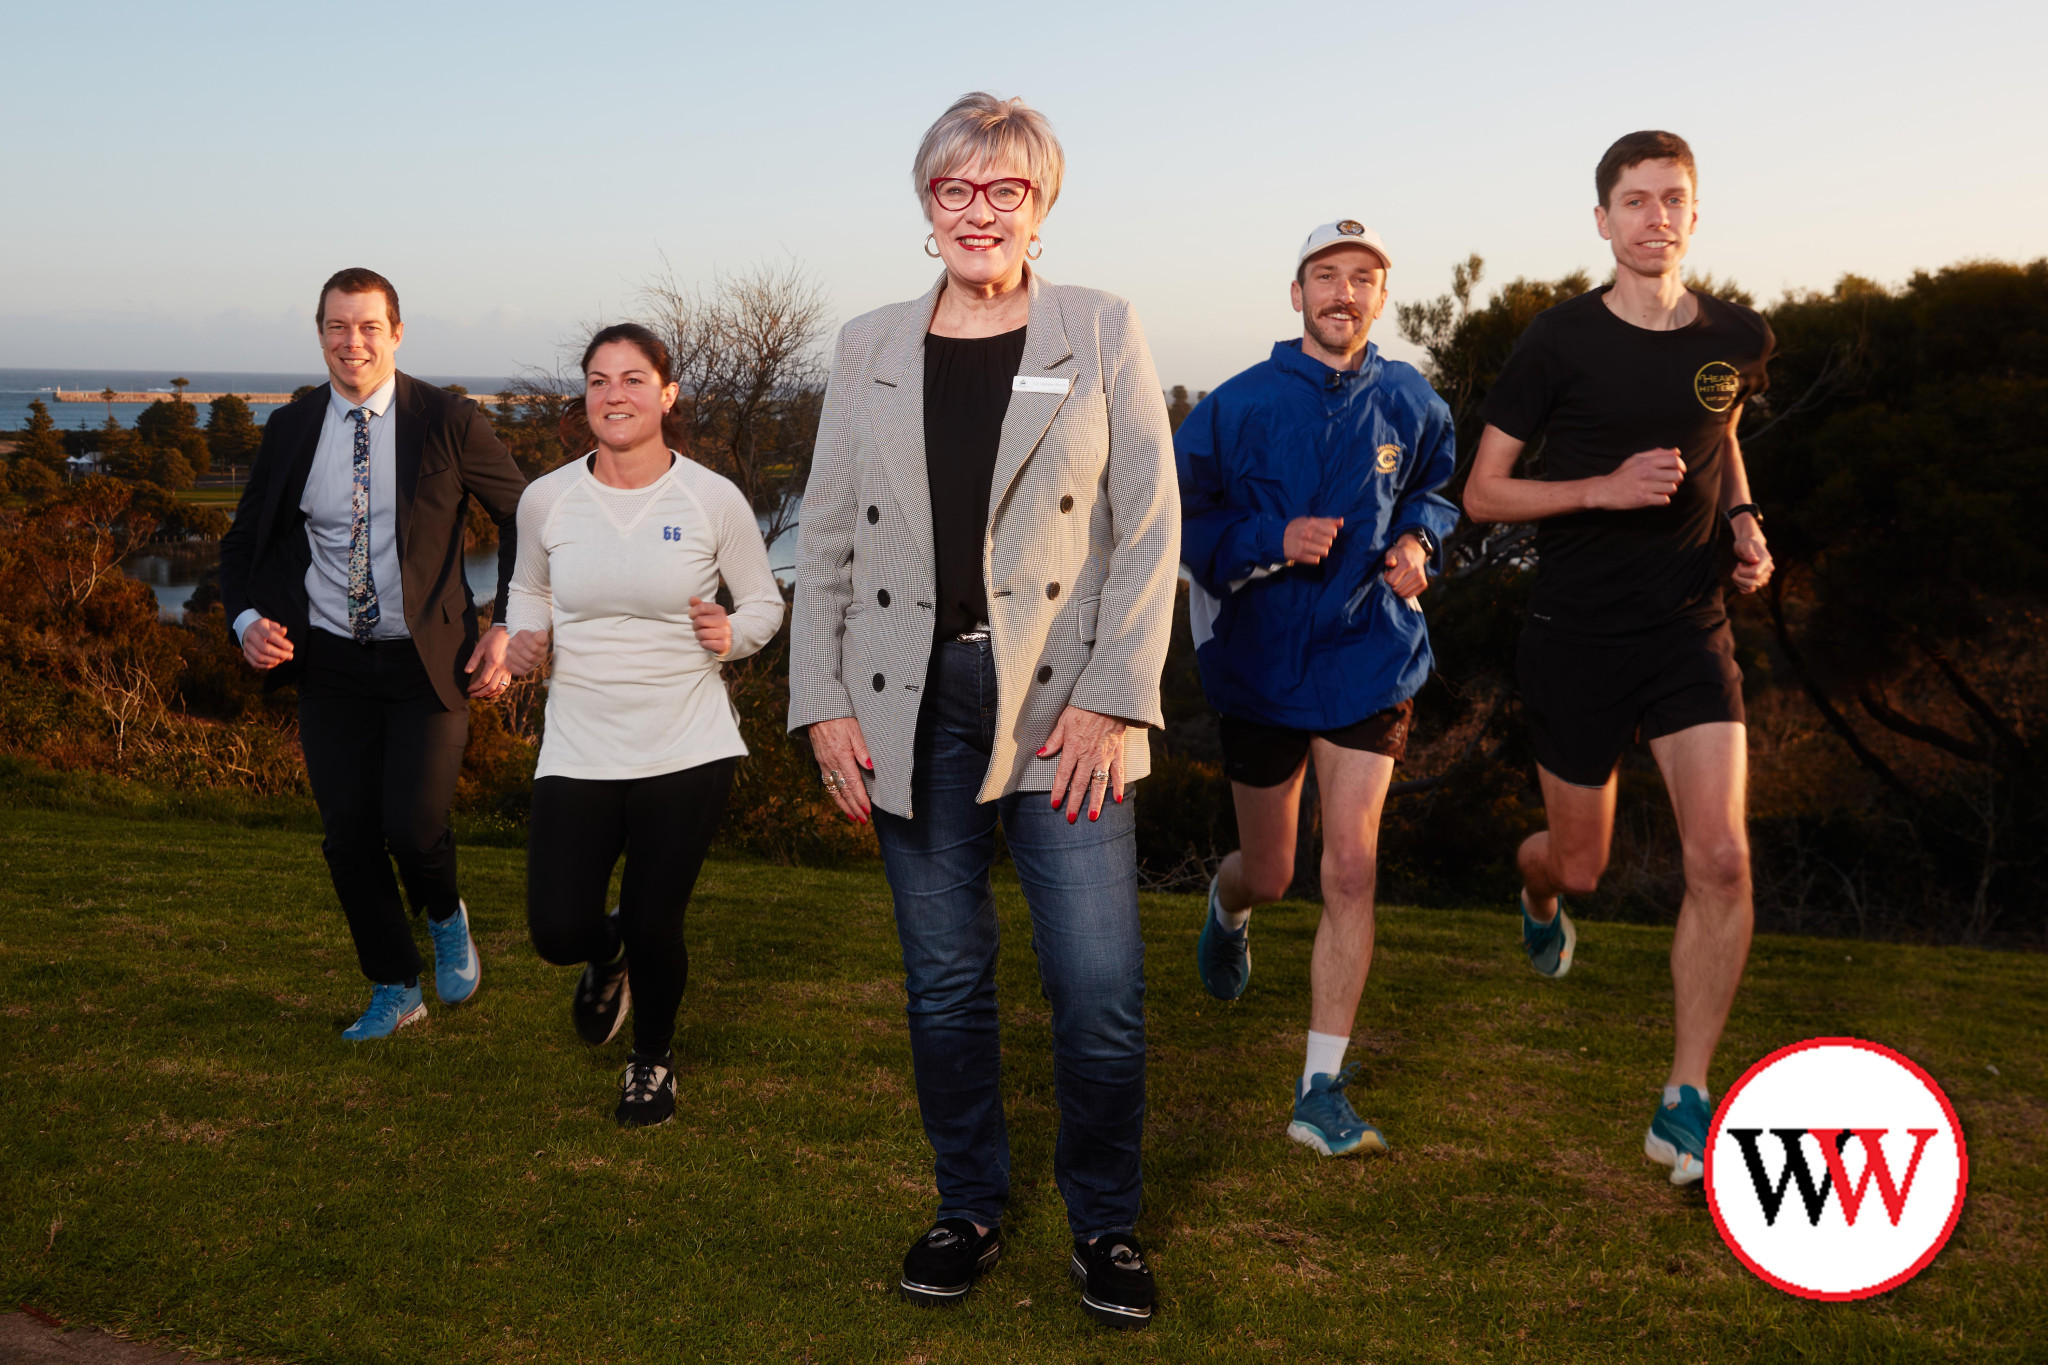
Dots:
pixel 1749 507
pixel 1422 538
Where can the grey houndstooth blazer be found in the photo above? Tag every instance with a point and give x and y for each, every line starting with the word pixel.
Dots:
pixel 1081 550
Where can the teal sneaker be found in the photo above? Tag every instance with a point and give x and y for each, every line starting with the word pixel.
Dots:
pixel 391 1009
pixel 457 969
pixel 1678 1136
pixel 1549 946
pixel 1224 959
pixel 1325 1120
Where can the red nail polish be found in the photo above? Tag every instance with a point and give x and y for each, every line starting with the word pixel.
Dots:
pixel 1094 814
pixel 1119 798
pixel 1041 753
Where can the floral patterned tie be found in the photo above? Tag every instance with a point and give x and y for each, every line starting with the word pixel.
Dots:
pixel 362 585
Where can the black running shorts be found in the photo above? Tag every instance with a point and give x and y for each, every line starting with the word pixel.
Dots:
pixel 1267 755
pixel 1586 702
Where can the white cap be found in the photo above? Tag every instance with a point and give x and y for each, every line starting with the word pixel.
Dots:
pixel 1342 231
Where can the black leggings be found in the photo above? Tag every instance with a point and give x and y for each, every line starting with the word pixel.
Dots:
pixel 574 837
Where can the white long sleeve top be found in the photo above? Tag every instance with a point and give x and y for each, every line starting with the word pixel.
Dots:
pixel 611 571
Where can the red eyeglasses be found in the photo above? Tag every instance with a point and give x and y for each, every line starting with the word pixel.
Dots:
pixel 1004 196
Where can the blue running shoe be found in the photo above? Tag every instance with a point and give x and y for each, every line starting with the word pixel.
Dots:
pixel 1678 1136
pixel 1325 1120
pixel 1549 946
pixel 1224 959
pixel 457 969
pixel 391 1009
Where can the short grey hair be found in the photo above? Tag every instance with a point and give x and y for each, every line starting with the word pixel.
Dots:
pixel 980 127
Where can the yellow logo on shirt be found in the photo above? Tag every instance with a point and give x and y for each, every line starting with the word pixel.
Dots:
pixel 1716 385
pixel 1389 460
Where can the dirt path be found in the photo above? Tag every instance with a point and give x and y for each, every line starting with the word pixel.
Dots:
pixel 26 1340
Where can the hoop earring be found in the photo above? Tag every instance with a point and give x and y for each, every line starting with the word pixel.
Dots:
pixel 930 245
pixel 1031 255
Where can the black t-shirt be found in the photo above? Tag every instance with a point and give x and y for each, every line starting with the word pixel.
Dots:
pixel 1601 389
pixel 966 394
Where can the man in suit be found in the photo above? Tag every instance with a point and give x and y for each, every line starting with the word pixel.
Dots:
pixel 343 573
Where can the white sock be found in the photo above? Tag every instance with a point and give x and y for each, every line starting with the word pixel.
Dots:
pixel 1233 920
pixel 1325 1055
pixel 1670 1093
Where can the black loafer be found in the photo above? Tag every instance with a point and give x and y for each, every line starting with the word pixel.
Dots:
pixel 1116 1284
pixel 946 1260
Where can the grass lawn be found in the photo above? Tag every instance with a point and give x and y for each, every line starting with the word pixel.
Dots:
pixel 190 1154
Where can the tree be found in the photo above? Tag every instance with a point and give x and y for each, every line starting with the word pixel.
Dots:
pixel 39 438
pixel 747 354
pixel 179 386
pixel 1177 411
pixel 115 446
pixel 172 427
pixel 302 390
pixel 231 431
pixel 1904 466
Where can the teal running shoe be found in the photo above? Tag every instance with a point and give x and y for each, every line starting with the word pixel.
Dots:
pixel 1678 1136
pixel 1224 959
pixel 391 1009
pixel 457 969
pixel 1550 946
pixel 1325 1120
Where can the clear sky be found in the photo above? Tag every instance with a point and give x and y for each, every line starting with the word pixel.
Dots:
pixel 179 179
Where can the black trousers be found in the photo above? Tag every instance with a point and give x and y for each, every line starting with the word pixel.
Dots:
pixel 574 836
pixel 383 753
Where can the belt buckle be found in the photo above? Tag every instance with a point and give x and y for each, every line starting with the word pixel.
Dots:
pixel 979 635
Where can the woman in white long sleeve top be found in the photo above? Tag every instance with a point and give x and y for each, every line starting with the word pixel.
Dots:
pixel 620 556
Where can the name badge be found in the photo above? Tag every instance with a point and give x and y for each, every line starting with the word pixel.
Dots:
pixel 1042 383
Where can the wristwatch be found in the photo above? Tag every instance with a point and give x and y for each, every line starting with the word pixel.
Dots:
pixel 1749 507
pixel 1422 538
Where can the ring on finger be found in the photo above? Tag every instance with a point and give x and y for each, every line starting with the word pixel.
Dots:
pixel 1100 775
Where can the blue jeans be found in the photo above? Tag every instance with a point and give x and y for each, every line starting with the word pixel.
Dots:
pixel 1081 882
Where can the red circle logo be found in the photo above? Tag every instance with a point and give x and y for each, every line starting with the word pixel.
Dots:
pixel 1836 1169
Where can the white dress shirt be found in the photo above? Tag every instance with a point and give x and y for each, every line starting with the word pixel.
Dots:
pixel 329 505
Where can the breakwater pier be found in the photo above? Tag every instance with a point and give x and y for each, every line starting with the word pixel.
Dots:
pixel 165 396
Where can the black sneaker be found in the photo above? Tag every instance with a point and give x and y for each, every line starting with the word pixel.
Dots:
pixel 603 996
pixel 946 1260
pixel 1116 1285
pixel 647 1095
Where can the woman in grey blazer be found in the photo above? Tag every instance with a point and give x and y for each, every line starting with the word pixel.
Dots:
pixel 984 594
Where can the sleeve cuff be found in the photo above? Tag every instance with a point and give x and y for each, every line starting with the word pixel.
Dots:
pixel 248 617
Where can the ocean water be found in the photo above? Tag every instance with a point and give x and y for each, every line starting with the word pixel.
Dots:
pixel 19 387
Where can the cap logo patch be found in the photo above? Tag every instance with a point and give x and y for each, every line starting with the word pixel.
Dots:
pixel 1389 459
pixel 1351 228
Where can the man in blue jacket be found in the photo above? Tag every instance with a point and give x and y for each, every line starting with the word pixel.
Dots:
pixel 1309 519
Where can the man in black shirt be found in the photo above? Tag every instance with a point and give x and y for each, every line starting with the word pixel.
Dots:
pixel 1637 388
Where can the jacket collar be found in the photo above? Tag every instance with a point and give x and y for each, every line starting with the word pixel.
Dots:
pixel 1289 358
pixel 899 377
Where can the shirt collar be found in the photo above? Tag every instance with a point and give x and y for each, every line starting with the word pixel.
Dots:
pixel 1288 356
pixel 378 402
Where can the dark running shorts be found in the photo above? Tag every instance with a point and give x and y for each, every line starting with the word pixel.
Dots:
pixel 1586 702
pixel 1267 755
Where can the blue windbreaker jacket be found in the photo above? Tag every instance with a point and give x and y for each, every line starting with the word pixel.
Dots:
pixel 1310 647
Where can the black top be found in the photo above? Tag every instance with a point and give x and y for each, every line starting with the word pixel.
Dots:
pixel 966 394
pixel 1602 389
